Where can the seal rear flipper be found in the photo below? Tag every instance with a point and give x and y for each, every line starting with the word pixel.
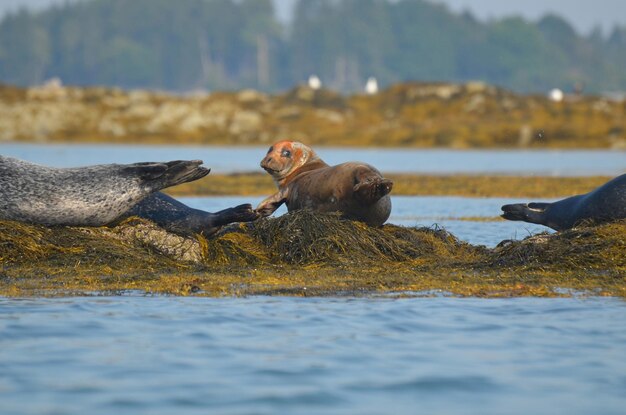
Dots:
pixel 532 212
pixel 161 175
pixel 371 190
pixel 208 224
pixel 241 213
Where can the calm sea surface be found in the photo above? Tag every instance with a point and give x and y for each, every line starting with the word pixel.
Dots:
pixel 263 355
pixel 260 355
pixel 242 159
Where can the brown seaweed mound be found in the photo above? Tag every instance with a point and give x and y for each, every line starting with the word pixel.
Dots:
pixel 582 249
pixel 302 252
pixel 305 238
pixel 32 245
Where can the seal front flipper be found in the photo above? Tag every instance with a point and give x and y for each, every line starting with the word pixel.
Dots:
pixel 531 212
pixel 158 176
pixel 271 204
pixel 372 189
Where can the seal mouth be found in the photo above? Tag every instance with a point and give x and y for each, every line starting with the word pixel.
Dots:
pixel 271 171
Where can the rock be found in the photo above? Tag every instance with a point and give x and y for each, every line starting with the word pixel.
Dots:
pixel 192 122
pixel 251 96
pixel 475 87
pixel 51 89
pixel 110 126
pixel 168 115
pixel 476 103
pixel 245 122
pixel 333 117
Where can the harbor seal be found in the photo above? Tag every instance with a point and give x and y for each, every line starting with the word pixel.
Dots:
pixel 105 194
pixel 84 196
pixel 357 190
pixel 179 218
pixel 604 204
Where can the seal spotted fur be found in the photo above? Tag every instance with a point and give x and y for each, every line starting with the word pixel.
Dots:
pixel 103 194
pixel 84 196
pixel 356 190
pixel 604 204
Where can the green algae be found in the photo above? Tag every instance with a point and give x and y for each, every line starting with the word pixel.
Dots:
pixel 306 254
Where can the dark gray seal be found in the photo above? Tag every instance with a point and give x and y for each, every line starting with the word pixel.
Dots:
pixel 104 194
pixel 604 204
pixel 179 218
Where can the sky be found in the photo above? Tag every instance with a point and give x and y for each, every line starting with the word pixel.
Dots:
pixel 584 15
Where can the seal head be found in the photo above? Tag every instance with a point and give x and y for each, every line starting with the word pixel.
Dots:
pixel 285 159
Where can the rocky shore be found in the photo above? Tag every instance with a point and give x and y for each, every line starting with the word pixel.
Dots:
pixel 472 115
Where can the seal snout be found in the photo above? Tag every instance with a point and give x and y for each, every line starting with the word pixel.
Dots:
pixel 265 162
pixel 270 165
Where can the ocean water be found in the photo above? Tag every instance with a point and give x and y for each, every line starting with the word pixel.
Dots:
pixel 427 161
pixel 265 355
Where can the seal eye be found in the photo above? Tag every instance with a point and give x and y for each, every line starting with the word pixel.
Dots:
pixel 286 153
pixel 270 150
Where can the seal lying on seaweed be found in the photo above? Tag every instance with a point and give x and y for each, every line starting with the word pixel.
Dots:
pixel 603 204
pixel 102 194
pixel 177 217
pixel 356 190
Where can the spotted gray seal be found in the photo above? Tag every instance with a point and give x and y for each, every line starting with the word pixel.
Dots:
pixel 104 194
pixel 84 196
pixel 603 204
pixel 356 190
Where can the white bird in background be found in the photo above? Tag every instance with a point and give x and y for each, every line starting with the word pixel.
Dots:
pixel 314 82
pixel 371 87
pixel 555 95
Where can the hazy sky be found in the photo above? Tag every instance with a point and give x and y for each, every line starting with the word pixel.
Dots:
pixel 583 14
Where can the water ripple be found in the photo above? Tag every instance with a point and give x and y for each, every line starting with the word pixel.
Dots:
pixel 163 355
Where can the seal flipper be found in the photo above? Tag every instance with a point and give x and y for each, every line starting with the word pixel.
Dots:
pixel 179 218
pixel 531 212
pixel 241 213
pixel 271 203
pixel 161 175
pixel 371 190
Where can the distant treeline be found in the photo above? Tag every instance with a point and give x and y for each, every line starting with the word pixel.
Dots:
pixel 186 45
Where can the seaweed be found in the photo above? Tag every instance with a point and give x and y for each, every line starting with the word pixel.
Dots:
pixel 305 253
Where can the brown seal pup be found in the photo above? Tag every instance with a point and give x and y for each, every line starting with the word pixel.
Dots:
pixel 356 190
